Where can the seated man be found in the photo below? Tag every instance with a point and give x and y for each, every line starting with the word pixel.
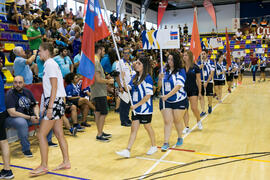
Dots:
pixel 23 110
pixel 22 65
pixel 238 35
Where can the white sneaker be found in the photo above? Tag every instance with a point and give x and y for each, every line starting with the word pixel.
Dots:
pixel 124 153
pixel 152 150
pixel 200 125
pixel 186 130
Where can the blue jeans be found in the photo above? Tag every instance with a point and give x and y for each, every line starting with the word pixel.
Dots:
pixel 21 125
pixel 124 112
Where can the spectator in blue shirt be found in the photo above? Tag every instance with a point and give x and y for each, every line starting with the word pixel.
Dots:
pixel 64 62
pixel 77 60
pixel 21 65
pixel 106 63
pixel 40 65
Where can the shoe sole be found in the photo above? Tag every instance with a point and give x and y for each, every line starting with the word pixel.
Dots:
pixel 123 156
pixel 8 177
pixel 103 140
pixel 74 132
pixel 80 130
pixel 28 156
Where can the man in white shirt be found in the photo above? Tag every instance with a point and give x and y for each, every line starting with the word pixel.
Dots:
pixel 127 68
pixel 79 13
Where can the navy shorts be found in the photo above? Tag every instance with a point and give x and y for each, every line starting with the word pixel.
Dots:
pixel 101 105
pixel 219 82
pixel 3 135
pixel 143 118
pixel 209 89
pixel 175 105
pixel 262 69
pixel 229 77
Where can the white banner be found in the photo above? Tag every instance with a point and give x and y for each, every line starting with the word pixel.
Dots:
pixel 238 54
pixel 164 39
pixel 235 24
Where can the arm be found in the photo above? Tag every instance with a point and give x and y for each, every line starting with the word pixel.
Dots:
pixel 99 79
pixel 71 68
pixel 199 82
pixel 36 111
pixel 210 77
pixel 32 58
pixel 173 91
pixel 13 113
pixel 119 84
pixel 33 38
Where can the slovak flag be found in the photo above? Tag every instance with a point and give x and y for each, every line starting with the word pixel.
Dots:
pixel 95 29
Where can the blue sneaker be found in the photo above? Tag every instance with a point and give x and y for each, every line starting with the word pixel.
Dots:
pixel 203 114
pixel 179 141
pixel 79 128
pixel 73 131
pixel 209 109
pixel 165 147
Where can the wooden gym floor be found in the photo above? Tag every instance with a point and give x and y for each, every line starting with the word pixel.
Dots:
pixel 240 125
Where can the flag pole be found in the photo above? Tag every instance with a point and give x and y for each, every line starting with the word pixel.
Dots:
pixel 116 48
pixel 162 81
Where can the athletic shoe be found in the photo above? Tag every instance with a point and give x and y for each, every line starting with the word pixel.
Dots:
pixel 209 109
pixel 51 144
pixel 79 128
pixel 200 125
pixel 165 147
pixel 203 114
pixel 126 124
pixel 106 135
pixel 186 130
pixel 152 150
pixel 102 139
pixel 6 174
pixel 73 131
pixel 28 153
pixel 124 153
pixel 85 124
pixel 179 141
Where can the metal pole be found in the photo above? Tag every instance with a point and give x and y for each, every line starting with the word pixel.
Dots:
pixel 162 82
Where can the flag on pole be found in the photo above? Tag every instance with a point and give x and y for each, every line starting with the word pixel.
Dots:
pixel 228 50
pixel 195 43
pixel 211 10
pixel 85 7
pixel 95 29
pixel 161 9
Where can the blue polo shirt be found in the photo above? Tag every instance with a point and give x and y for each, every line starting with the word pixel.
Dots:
pixel 2 95
pixel 40 65
pixel 64 64
pixel 22 69
pixel 106 64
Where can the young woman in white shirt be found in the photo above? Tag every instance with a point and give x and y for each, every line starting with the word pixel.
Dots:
pixel 54 93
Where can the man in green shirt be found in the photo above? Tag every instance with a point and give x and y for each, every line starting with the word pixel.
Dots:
pixel 34 35
pixel 99 94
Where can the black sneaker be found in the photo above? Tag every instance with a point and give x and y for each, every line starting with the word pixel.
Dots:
pixel 102 139
pixel 85 124
pixel 106 135
pixel 51 144
pixel 28 153
pixel 6 174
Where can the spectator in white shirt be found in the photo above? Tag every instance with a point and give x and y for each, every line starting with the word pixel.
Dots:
pixel 79 13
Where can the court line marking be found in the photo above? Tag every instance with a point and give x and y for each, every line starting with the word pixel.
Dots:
pixel 52 173
pixel 152 159
pixel 168 152
pixel 216 155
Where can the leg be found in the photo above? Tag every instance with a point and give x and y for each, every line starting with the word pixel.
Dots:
pixel 202 103
pixel 5 154
pixel 178 121
pixel 186 119
pixel 74 115
pixel 151 133
pixel 133 133
pixel 210 99
pixel 66 122
pixel 59 133
pixel 124 112
pixel 21 125
pixel 194 107
pixel 168 119
pixel 85 109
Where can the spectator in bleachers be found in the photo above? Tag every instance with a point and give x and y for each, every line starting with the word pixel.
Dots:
pixel 2 57
pixel 77 60
pixel 263 23
pixel 74 92
pixel 14 14
pixel 136 25
pixel 64 61
pixel 105 61
pixel 43 5
pixel 63 29
pixel 34 35
pixel 5 173
pixel 238 35
pixel 253 25
pixel 26 22
pixel 79 13
pixel 22 66
pixel 76 43
pixel 23 110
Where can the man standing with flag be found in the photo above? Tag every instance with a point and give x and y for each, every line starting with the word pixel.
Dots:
pixel 99 94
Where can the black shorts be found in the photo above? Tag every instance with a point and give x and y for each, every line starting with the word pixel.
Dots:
pixel 229 77
pixel 144 119
pixel 58 110
pixel 176 105
pixel 219 82
pixel 262 69
pixel 192 92
pixel 3 135
pixel 235 77
pixel 242 71
pixel 101 105
pixel 73 101
pixel 209 89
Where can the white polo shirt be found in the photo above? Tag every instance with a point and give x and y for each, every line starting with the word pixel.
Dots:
pixel 127 68
pixel 51 69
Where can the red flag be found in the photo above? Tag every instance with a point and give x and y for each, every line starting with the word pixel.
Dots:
pixel 85 7
pixel 195 43
pixel 211 10
pixel 161 9
pixel 228 50
pixel 95 29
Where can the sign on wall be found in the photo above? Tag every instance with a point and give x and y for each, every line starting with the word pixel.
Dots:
pixel 235 24
pixel 165 39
